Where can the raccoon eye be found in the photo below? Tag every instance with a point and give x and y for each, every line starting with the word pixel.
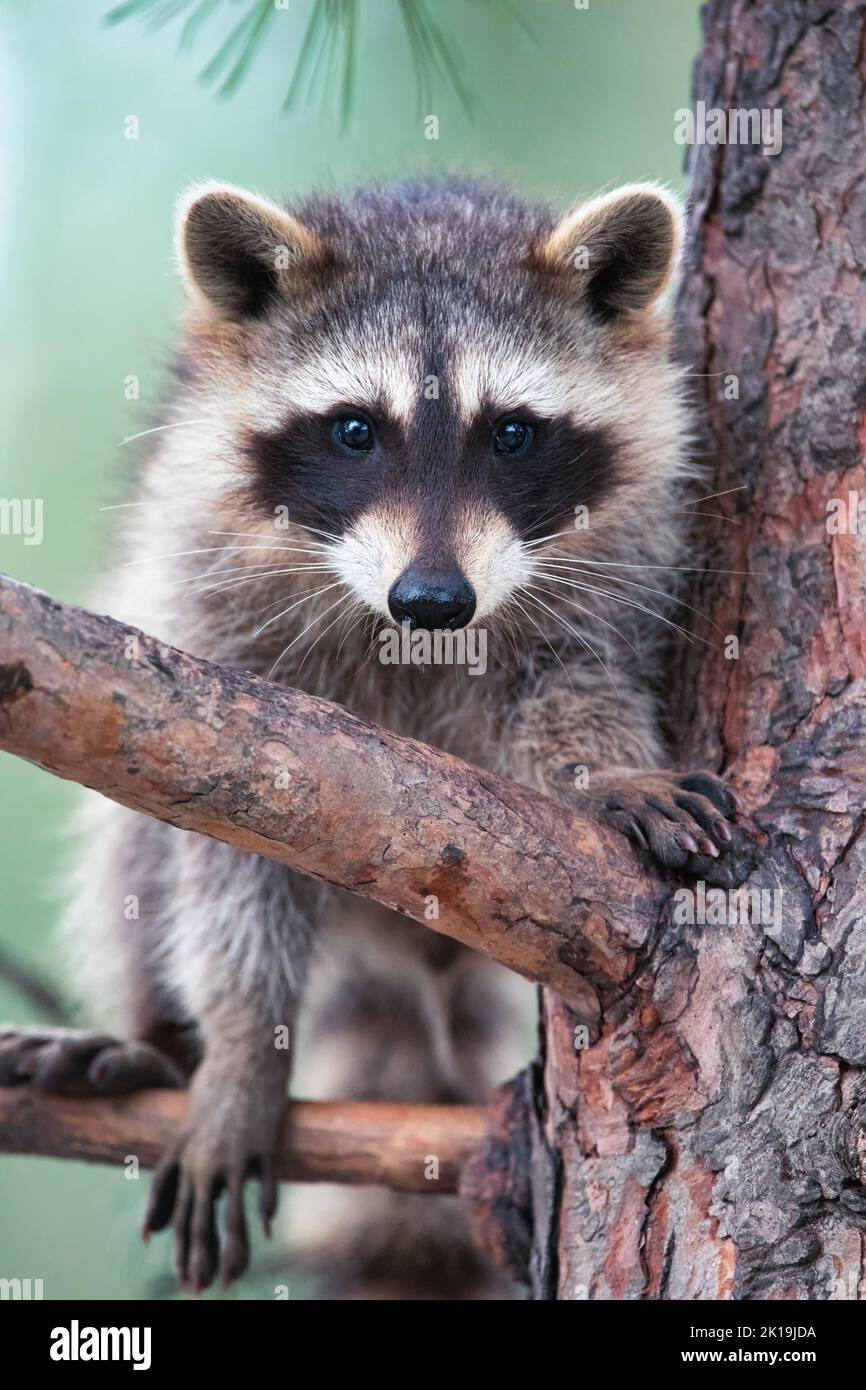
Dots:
pixel 355 434
pixel 512 436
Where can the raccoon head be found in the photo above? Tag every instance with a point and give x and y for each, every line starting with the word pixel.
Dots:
pixel 434 380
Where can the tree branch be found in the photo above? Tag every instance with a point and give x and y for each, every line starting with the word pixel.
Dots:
pixel 323 1141
pixel 32 986
pixel 558 897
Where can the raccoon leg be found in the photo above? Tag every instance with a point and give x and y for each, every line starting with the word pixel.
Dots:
pixel 111 930
pixel 237 955
pixel 394 1012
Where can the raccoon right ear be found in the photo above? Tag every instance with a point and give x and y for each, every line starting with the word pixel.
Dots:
pixel 622 249
pixel 238 251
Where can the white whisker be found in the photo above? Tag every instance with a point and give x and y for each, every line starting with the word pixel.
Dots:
pixel 514 599
pixel 632 603
pixel 624 565
pixel 116 506
pixel 311 593
pixel 157 429
pixel 717 516
pixel 633 584
pixel 325 630
pixel 329 535
pixel 579 606
pixel 358 605
pixel 272 567
pixel 211 550
pixel 532 545
pixel 303 633
pixel 583 640
pixel 210 589
pixel 741 487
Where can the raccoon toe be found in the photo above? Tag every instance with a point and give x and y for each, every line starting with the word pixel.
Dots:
pixel 197 1244
pixel 712 788
pixel 186 1193
pixel 648 828
pixel 132 1066
pixel 218 1151
pixel 683 821
pixel 187 1200
pixel 82 1064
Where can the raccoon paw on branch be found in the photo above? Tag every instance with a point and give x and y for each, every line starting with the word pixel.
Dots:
pixel 554 893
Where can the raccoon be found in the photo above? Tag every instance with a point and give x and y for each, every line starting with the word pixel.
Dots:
pixel 425 408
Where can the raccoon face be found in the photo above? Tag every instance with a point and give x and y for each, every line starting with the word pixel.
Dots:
pixel 434 380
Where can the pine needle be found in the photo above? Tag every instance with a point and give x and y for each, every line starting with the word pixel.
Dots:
pixel 328 53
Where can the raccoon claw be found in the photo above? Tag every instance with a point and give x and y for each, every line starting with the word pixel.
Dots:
pixel 206 1167
pixel 189 1197
pixel 77 1063
pixel 681 819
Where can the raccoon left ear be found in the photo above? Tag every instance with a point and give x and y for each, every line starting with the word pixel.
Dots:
pixel 239 251
pixel 621 248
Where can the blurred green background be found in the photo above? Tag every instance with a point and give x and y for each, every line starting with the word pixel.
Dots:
pixel 89 297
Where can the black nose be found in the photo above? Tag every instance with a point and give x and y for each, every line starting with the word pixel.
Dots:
pixel 432 601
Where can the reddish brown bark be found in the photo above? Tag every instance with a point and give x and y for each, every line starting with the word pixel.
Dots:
pixel 411 1148
pixel 711 1144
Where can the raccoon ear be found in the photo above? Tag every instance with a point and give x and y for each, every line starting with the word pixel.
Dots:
pixel 239 252
pixel 621 248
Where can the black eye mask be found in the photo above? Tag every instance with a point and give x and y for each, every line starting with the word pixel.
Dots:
pixel 328 469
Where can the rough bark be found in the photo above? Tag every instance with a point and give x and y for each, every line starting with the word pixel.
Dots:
pixel 411 1148
pixel 711 1144
pixel 560 898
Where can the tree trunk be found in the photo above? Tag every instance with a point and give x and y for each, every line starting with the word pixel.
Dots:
pixel 711 1145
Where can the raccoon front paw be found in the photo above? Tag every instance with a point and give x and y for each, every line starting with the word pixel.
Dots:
pixel 73 1062
pixel 682 819
pixel 230 1136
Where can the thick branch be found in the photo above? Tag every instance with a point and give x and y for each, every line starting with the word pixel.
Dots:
pixel 323 1141
pixel 558 897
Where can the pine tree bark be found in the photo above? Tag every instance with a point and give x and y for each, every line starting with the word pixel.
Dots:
pixel 711 1143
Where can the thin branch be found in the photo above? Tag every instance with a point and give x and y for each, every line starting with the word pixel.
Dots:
pixel 32 986
pixel 558 897
pixel 412 1148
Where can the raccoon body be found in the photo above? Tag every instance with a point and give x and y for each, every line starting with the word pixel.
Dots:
pixel 435 405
